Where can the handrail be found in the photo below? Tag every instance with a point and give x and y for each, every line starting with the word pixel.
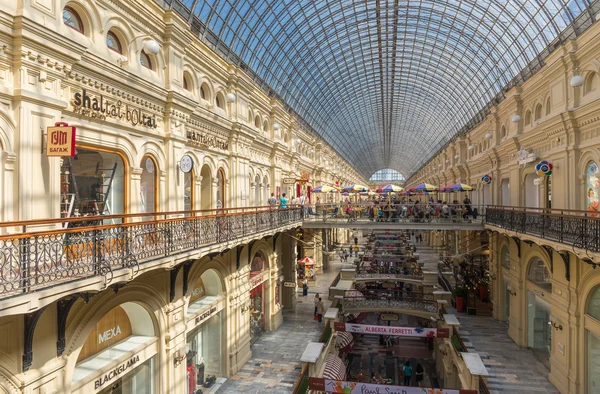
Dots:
pixel 303 375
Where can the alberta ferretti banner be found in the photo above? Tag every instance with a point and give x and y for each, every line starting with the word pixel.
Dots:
pixel 393 330
pixel 338 386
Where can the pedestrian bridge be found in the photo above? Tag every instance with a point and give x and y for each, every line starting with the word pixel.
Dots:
pixel 422 305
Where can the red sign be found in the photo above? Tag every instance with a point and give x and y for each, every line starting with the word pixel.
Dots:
pixel 339 386
pixel 393 330
pixel 258 280
pixel 61 140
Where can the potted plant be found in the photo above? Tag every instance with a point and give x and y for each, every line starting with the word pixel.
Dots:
pixel 460 292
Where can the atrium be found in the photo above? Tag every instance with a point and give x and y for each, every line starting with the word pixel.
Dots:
pixel 228 196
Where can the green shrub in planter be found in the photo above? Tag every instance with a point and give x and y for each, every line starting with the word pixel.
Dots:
pixel 460 291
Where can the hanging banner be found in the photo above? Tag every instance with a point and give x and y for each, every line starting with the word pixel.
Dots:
pixel 339 386
pixel 392 330
pixel 61 140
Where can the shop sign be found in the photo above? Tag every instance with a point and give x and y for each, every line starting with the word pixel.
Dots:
pixel 389 317
pixel 206 140
pixel 108 334
pixel 391 330
pixel 339 386
pixel 107 377
pixel 289 284
pixel 102 108
pixel 61 140
pixel 305 176
pixel 289 181
pixel 258 281
pixel 206 314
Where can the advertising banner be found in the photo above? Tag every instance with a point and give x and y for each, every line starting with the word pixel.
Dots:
pixel 338 386
pixel 393 330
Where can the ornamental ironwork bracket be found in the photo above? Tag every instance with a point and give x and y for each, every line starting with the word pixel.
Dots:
pixel 87 296
pixel 275 236
pixel 518 242
pixel 250 245
pixel 238 255
pixel 549 250
pixel 173 280
pixel 590 262
pixel 118 286
pixel 567 260
pixel 213 255
pixel 187 266
pixel 30 320
pixel 63 307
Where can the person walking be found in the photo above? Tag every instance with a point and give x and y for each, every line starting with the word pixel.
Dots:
pixel 320 309
pixel 316 300
pixel 305 287
pixel 419 374
pixel 407 373
pixel 283 201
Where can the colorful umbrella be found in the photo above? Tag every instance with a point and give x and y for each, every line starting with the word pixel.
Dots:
pixel 324 189
pixel 425 187
pixel 389 189
pixel 459 187
pixel 356 188
pixel 306 260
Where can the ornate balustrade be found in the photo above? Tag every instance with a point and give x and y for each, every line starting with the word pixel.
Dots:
pixel 88 247
pixel 384 276
pixel 365 304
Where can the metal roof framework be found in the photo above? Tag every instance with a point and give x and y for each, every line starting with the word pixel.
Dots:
pixel 387 83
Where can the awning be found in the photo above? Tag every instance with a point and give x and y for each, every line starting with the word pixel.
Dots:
pixel 334 368
pixel 344 340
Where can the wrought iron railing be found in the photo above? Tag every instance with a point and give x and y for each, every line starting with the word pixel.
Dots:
pixel 580 229
pixel 417 303
pixel 382 276
pixel 33 260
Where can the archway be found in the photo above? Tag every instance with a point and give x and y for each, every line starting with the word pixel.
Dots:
pixel 119 354
pixel 539 288
pixel 505 261
pixel 532 192
pixel 265 190
pixel 257 201
pixel 592 341
pixel 205 340
pixel 259 304
pixel 148 185
pixel 206 187
pixel 220 196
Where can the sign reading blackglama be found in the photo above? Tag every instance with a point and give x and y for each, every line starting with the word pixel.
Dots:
pixel 107 377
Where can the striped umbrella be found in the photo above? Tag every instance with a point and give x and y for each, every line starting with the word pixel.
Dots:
pixel 459 187
pixel 344 340
pixel 324 189
pixel 425 187
pixel 356 188
pixel 389 189
pixel 334 368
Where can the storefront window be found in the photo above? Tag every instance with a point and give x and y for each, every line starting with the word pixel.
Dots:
pixel 148 185
pixel 591 187
pixel 220 189
pixel 549 192
pixel 92 183
pixel 188 191
pixel 204 356
pixel 593 363
pixel 257 297
pixel 505 257
pixel 539 274
pixel 593 305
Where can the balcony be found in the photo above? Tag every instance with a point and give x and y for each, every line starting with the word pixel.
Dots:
pixel 87 255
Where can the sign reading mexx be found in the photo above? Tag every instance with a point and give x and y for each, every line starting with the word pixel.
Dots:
pixel 60 140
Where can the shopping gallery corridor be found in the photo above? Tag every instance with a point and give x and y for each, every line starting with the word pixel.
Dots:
pixel 179 179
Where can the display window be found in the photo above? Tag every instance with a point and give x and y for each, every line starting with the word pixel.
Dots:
pixel 188 191
pixel 148 185
pixel 591 188
pixel 92 183
pixel 220 197
pixel 119 354
pixel 258 276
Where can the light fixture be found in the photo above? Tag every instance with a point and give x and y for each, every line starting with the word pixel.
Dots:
pixel 512 293
pixel 456 156
pixel 178 359
pixel 516 118
pixel 555 326
pixel 276 126
pixel 471 147
pixel 151 47
pixel 488 136
pixel 447 161
pixel 230 97
pixel 577 81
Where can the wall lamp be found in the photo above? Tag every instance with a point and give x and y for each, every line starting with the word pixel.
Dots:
pixel 179 357
pixel 244 308
pixel 555 326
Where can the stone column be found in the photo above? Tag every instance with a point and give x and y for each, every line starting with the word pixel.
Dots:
pixel 251 197
pixel 288 260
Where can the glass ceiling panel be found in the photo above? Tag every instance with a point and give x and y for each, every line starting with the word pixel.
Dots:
pixel 389 82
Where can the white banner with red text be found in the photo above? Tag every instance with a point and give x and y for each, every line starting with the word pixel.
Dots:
pixel 392 330
pixel 339 386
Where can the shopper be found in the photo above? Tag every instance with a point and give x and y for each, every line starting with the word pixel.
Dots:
pixel 407 373
pixel 419 374
pixel 316 302
pixel 305 287
pixel 320 308
pixel 272 201
pixel 283 201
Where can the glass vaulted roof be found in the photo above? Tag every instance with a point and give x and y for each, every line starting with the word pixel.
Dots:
pixel 387 82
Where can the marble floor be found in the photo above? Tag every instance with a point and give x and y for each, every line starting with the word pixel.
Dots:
pixel 275 364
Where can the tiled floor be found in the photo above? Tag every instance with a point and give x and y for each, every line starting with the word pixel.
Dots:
pixel 512 369
pixel 275 364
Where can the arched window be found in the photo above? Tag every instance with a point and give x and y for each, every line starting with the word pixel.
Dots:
pixel 527 118
pixel 71 18
pixel 148 187
pixel 591 83
pixel 145 60
pixel 505 257
pixel 591 187
pixel 593 304
pixel 548 106
pixel 188 191
pixel 503 132
pixel 187 82
pixel 539 274
pixel 538 111
pixel 220 101
pixel 257 122
pixel 204 92
pixel 220 188
pixel 266 126
pixel 112 42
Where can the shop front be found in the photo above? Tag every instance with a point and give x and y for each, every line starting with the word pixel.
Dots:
pixel 120 355
pixel 257 310
pixel 205 338
pixel 539 288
